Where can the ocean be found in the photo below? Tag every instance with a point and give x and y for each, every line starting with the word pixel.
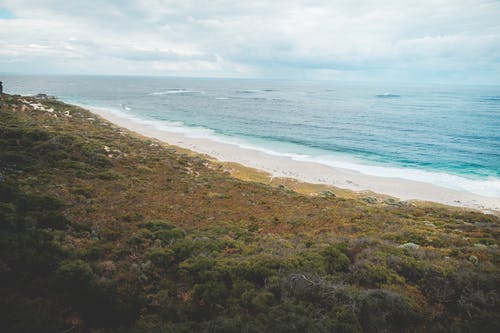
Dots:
pixel 447 135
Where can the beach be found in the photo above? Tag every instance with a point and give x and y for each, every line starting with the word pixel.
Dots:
pixel 310 172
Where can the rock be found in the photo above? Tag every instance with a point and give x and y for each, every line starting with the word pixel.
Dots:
pixel 390 201
pixel 429 224
pixel 474 260
pixel 409 246
pixel 145 266
pixel 327 194
pixel 370 200
pixel 93 235
pixel 44 97
pixel 1 91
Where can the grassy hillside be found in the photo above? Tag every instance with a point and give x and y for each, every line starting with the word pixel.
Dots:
pixel 105 231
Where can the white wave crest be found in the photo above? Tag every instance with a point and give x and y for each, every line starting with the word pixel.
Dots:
pixel 175 91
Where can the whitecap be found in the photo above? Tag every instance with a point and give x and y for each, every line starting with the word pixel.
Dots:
pixel 387 95
pixel 246 91
pixel 125 107
pixel 175 91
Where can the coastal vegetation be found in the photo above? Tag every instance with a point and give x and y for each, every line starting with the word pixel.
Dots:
pixel 102 230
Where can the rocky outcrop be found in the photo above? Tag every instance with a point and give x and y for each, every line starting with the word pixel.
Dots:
pixel 44 97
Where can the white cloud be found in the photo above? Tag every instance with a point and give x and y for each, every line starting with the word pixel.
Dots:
pixel 310 39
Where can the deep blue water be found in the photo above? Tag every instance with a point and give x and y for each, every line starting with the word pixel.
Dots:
pixel 443 134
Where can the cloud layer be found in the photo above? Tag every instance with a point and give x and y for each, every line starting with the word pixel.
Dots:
pixel 433 40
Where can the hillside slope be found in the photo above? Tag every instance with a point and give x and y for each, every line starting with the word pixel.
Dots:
pixel 105 231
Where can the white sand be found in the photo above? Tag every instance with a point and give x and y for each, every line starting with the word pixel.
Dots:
pixel 309 171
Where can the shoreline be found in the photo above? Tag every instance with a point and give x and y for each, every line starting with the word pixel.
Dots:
pixel 308 172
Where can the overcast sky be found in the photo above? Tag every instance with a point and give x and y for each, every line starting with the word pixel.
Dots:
pixel 434 40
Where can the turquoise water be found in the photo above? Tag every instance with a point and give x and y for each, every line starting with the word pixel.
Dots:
pixel 445 135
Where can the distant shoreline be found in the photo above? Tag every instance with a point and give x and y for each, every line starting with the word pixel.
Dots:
pixel 310 172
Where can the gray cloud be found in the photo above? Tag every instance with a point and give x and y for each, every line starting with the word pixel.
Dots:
pixel 437 40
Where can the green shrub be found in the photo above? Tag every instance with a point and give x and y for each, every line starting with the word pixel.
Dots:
pixel 168 235
pixel 109 175
pixel 334 260
pixel 25 315
pixel 76 275
pixel 258 268
pixel 161 257
pixel 140 237
pixel 93 252
pixel 385 311
pixel 263 300
pixel 54 221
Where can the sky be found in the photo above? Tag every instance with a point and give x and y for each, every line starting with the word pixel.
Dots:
pixel 412 41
